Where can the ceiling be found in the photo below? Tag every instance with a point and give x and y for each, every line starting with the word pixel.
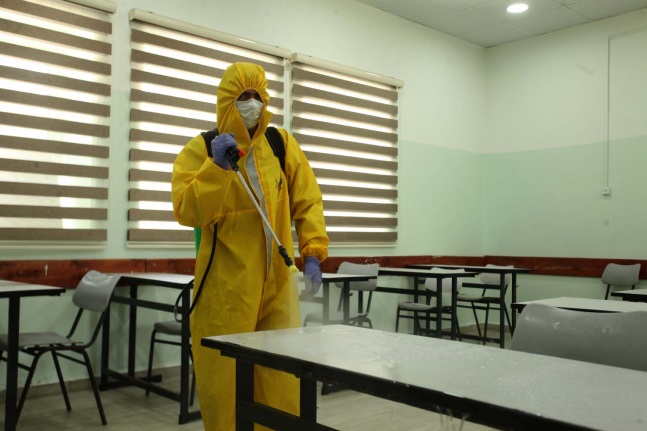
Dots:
pixel 486 22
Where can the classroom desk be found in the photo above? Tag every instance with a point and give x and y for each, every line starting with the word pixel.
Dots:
pixel 328 278
pixel 14 291
pixel 134 280
pixel 496 387
pixel 419 276
pixel 633 295
pixel 501 288
pixel 586 304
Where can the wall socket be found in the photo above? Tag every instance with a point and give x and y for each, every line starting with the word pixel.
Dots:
pixel 606 191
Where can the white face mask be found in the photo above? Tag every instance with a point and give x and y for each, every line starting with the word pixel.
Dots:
pixel 250 110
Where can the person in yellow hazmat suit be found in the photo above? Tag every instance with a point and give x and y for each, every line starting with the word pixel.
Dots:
pixel 248 287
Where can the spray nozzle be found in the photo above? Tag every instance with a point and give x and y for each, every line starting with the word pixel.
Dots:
pixel 233 154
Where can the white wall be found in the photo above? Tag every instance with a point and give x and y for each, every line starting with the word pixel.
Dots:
pixel 567 116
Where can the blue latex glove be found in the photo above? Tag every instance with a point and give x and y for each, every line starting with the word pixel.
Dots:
pixel 219 147
pixel 312 274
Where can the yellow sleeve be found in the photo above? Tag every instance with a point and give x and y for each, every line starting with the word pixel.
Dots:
pixel 306 203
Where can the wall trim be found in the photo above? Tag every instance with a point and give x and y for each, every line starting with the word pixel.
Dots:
pixel 67 273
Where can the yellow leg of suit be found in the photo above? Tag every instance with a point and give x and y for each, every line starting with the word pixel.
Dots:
pixel 216 374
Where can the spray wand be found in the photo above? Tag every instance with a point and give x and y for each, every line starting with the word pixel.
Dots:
pixel 234 154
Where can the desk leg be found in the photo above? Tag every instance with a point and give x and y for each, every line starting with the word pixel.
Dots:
pixel 512 301
pixel 501 311
pixel 244 394
pixel 309 400
pixel 132 332
pixel 326 303
pixel 11 392
pixel 105 350
pixel 439 307
pixel 454 301
pixel 345 303
pixel 184 359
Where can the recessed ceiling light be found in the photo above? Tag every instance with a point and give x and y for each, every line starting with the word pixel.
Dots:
pixel 517 8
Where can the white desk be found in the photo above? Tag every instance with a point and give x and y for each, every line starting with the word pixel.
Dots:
pixel 497 387
pixel 134 280
pixel 635 295
pixel 14 291
pixel 586 304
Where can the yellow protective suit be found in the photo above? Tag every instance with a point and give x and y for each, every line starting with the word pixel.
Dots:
pixel 248 287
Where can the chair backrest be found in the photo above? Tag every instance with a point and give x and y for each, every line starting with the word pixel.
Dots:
pixel 94 291
pixel 432 283
pixel 621 275
pixel 495 279
pixel 360 269
pixel 616 339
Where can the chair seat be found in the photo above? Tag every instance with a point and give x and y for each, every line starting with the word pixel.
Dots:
pixel 170 327
pixel 29 339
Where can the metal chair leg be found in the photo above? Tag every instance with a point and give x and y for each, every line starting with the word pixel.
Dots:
pixel 149 374
pixel 61 381
pixel 95 388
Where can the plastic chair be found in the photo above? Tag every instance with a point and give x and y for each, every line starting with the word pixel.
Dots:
pixel 171 328
pixel 616 339
pixel 361 317
pixel 427 309
pixel 485 302
pixel 620 276
pixel 93 295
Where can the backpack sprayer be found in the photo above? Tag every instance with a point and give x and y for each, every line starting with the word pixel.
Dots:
pixel 233 154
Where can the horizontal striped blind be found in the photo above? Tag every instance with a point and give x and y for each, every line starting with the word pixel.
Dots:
pixel 55 75
pixel 347 127
pixel 174 77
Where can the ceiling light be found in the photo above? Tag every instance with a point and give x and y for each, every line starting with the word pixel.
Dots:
pixel 517 8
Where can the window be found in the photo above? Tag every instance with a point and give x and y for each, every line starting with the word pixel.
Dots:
pixel 344 119
pixel 55 74
pixel 174 79
pixel 347 127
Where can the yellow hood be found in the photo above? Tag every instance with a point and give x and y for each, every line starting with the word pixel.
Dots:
pixel 238 78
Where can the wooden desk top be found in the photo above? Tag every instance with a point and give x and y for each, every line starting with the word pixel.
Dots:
pixel 494 386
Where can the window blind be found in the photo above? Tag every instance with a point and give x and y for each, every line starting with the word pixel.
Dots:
pixel 347 127
pixel 175 71
pixel 55 74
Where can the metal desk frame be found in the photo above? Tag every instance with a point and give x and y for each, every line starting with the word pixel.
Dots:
pixel 14 291
pixel 501 288
pixel 174 281
pixel 507 390
pixel 419 275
